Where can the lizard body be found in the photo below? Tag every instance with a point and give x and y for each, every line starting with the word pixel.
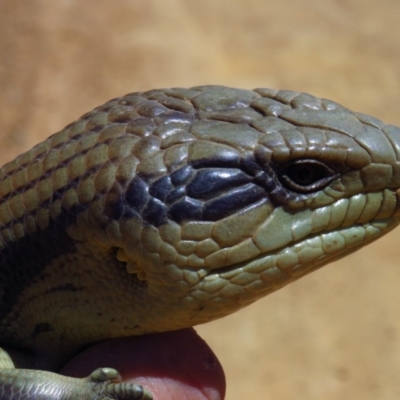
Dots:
pixel 176 207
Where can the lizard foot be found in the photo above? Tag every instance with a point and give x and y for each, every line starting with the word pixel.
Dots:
pixel 110 386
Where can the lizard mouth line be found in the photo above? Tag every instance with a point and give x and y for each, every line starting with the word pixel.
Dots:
pixel 312 251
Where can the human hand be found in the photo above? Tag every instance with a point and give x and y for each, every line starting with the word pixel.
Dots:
pixel 172 366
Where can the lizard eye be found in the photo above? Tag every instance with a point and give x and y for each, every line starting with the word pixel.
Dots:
pixel 306 176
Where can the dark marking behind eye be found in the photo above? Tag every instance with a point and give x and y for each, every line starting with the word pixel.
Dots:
pixel 136 195
pixel 175 195
pixel 211 182
pixel 233 201
pixel 155 212
pixel 182 175
pixel 187 194
pixel 161 188
pixel 186 209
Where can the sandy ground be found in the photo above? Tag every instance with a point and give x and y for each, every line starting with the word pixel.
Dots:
pixel 333 335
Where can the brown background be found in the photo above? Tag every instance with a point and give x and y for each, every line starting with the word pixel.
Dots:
pixel 333 335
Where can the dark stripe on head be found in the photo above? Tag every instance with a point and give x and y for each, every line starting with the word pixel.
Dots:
pixel 200 192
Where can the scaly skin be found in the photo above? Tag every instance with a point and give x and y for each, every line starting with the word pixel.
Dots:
pixel 173 208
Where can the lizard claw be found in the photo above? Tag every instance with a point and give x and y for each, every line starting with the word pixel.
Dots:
pixel 105 374
pixel 109 383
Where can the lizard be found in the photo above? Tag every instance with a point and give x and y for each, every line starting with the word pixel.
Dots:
pixel 165 209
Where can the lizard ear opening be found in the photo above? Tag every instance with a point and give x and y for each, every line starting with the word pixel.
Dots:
pixel 306 175
pixel 131 266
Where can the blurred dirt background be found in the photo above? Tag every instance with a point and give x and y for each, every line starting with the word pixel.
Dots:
pixel 333 335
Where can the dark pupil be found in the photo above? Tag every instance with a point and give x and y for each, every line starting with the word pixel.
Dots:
pixel 305 175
